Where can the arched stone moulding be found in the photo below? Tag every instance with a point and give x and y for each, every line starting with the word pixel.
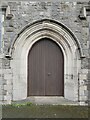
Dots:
pixel 67 42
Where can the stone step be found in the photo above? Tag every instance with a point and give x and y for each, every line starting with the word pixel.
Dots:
pixel 47 100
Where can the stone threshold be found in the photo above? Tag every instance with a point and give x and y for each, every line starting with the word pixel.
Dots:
pixel 47 100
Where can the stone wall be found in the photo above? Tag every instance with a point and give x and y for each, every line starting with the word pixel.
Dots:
pixel 17 14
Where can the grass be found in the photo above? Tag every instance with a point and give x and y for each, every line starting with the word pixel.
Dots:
pixel 29 110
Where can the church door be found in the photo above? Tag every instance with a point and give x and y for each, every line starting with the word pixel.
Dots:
pixel 45 69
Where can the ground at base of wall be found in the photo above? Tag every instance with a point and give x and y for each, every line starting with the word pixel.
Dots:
pixel 30 110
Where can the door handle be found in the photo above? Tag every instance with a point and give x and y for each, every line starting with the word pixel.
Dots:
pixel 49 74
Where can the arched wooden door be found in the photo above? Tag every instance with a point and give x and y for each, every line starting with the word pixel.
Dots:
pixel 45 69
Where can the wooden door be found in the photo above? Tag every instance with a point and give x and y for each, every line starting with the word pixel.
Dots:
pixel 45 69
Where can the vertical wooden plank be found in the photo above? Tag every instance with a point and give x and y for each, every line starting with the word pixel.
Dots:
pixel 54 69
pixel 36 68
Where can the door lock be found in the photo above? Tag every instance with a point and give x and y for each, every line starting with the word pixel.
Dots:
pixel 49 74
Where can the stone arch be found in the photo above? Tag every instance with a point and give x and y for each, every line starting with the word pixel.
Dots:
pixel 67 42
pixel 41 22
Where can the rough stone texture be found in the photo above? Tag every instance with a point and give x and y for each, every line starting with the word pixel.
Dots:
pixel 26 12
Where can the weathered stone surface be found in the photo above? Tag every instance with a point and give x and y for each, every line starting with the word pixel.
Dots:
pixel 27 12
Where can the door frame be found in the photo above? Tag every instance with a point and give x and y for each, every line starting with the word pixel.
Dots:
pixel 69 45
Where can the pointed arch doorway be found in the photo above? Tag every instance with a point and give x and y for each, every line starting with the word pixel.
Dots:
pixel 45 69
pixel 24 43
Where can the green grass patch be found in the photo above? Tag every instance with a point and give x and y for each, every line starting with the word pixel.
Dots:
pixel 29 110
pixel 20 104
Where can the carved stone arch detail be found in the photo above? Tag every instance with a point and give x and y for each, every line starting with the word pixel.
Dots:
pixel 43 22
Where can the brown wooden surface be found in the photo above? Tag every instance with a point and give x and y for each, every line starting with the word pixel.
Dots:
pixel 45 69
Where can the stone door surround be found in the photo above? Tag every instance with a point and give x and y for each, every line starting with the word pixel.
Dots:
pixel 66 40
